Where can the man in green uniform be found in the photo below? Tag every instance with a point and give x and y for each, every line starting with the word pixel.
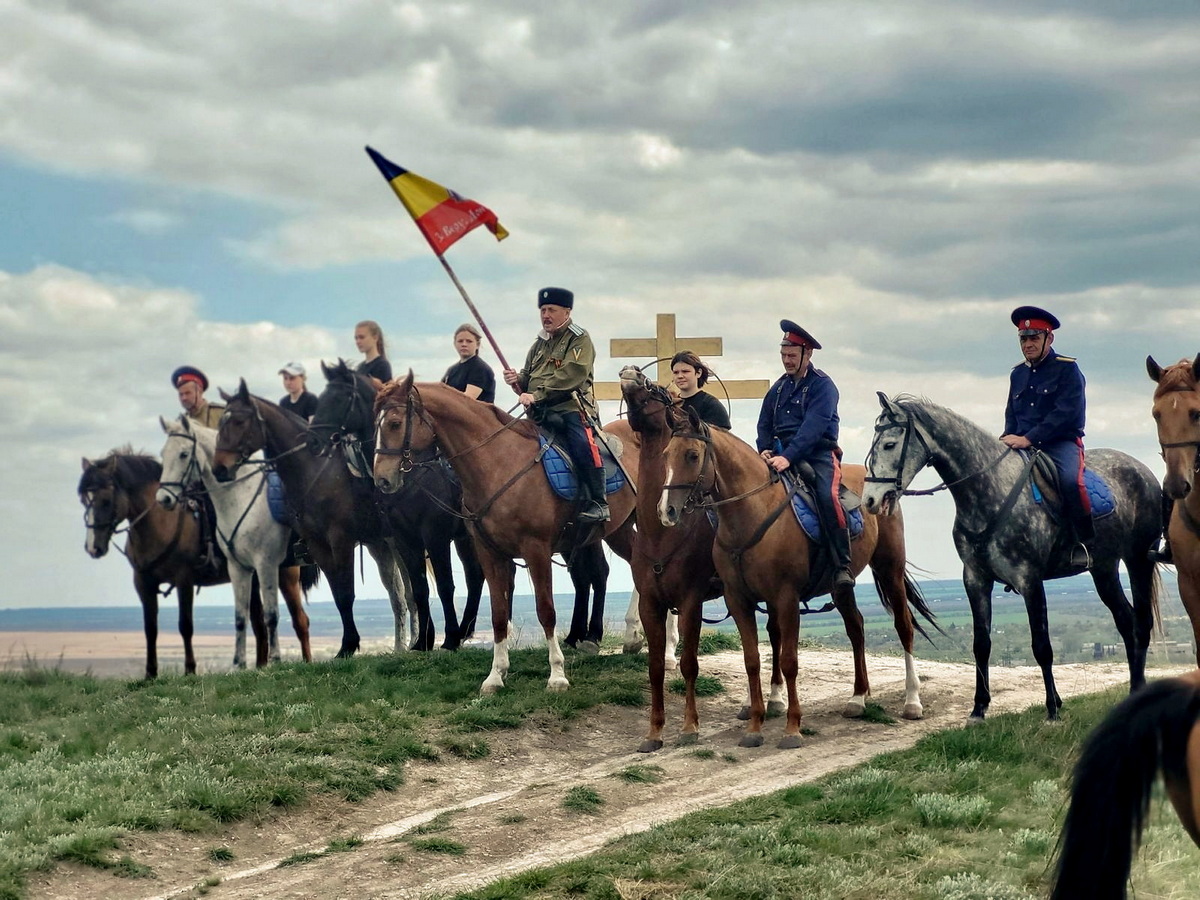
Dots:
pixel 556 389
pixel 191 384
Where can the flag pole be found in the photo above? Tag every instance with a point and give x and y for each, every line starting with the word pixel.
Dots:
pixel 474 311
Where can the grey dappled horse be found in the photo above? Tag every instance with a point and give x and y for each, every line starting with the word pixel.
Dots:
pixel 1003 535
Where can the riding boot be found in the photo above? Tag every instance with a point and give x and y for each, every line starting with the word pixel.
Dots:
pixel 839 550
pixel 1081 552
pixel 595 506
pixel 1163 554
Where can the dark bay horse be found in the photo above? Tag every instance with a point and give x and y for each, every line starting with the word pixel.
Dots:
pixel 762 557
pixel 1003 534
pixel 164 547
pixel 511 509
pixel 331 510
pixel 1177 414
pixel 423 516
pixel 1154 730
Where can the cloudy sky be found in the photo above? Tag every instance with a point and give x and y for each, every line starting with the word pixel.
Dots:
pixel 186 182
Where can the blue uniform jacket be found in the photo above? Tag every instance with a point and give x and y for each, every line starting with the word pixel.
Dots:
pixel 803 415
pixel 1045 402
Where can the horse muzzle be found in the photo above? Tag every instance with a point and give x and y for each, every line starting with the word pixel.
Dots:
pixel 1176 485
pixel 166 498
pixel 879 504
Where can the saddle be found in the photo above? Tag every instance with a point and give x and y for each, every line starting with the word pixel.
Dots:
pixel 560 469
pixel 1048 492
pixel 200 505
pixel 805 508
pixel 277 499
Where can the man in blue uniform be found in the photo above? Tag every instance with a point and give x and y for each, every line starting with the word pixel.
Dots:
pixel 1045 412
pixel 799 423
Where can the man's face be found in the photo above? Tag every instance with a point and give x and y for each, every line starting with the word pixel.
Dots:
pixel 553 317
pixel 1035 346
pixel 190 395
pixel 793 359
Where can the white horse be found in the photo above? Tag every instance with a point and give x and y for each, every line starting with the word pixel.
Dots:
pixel 253 542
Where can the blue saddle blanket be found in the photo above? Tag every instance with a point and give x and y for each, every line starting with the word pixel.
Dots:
pixel 1101 495
pixel 807 517
pixel 561 471
pixel 277 499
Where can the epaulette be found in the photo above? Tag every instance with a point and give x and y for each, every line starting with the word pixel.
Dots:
pixel 576 329
pixel 1065 358
pixel 818 372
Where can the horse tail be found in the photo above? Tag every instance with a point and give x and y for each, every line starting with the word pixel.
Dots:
pixel 310 577
pixel 915 599
pixel 1110 792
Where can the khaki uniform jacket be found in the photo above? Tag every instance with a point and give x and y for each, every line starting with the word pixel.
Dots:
pixel 208 414
pixel 556 366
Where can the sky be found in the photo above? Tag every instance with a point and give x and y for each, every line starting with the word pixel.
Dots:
pixel 186 183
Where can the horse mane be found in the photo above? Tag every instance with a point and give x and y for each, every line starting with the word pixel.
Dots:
pixel 123 466
pixel 1179 377
pixel 389 396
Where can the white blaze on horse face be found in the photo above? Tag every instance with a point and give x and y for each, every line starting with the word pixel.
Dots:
pixel 89 522
pixel 668 478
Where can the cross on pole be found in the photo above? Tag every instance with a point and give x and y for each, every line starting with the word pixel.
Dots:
pixel 664 346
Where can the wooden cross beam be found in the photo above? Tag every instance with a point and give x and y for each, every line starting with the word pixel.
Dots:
pixel 664 346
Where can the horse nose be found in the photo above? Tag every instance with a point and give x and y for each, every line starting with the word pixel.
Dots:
pixel 221 472
pixel 385 484
pixel 1176 486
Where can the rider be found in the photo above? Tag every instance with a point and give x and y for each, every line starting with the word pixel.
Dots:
pixel 556 388
pixel 799 423
pixel 191 384
pixel 1045 411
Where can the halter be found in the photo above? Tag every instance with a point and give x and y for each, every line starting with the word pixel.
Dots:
pixel 1179 444
pixel 339 433
pixel 695 496
pixel 243 453
pixel 404 451
pixel 190 475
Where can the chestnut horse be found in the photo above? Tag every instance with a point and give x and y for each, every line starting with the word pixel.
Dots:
pixel 507 500
pixel 1155 729
pixel 1177 415
pixel 762 556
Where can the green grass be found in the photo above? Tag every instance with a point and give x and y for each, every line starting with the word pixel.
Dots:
pixel 439 844
pixel 712 641
pixel 84 761
pixel 967 814
pixel 583 799
pixel 706 686
pixel 641 774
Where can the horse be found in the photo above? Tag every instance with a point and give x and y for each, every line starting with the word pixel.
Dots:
pixel 424 517
pixel 762 556
pixel 1154 730
pixel 163 547
pixel 1177 414
pixel 252 541
pixel 331 510
pixel 507 500
pixel 1003 533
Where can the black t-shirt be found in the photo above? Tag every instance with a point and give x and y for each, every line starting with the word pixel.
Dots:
pixel 304 407
pixel 708 408
pixel 472 371
pixel 379 368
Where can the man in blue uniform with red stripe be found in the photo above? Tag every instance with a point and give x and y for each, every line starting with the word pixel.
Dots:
pixel 799 423
pixel 1045 412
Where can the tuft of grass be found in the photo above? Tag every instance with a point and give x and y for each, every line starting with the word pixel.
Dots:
pixel 297 859
pixel 512 819
pixel 704 753
pixel 440 822
pixel 467 748
pixel 712 641
pixel 439 845
pixel 877 715
pixel 951 811
pixel 220 854
pixel 583 800
pixel 706 686
pixel 343 845
pixel 641 774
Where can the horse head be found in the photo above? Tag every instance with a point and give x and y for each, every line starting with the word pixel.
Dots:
pixel 898 452
pixel 650 405
pixel 1176 413
pixel 181 463
pixel 241 433
pixel 343 409
pixel 689 471
pixel 403 430
pixel 103 505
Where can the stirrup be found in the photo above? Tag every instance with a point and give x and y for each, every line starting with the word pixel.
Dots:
pixel 1161 554
pixel 593 512
pixel 842 579
pixel 1081 557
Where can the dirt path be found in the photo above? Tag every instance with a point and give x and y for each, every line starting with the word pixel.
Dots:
pixel 507 808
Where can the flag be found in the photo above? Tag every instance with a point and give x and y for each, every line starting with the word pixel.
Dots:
pixel 442 215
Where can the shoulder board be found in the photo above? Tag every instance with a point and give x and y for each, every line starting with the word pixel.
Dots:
pixel 818 373
pixel 1019 365
pixel 575 329
pixel 1065 358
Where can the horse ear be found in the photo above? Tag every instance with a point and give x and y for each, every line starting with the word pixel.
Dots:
pixel 884 402
pixel 1196 367
pixel 224 396
pixel 165 427
pixel 326 370
pixel 243 391
pixel 86 464
pixel 1155 369
pixel 408 379
pixel 376 383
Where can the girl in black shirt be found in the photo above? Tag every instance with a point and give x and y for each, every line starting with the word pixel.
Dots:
pixel 368 337
pixel 470 374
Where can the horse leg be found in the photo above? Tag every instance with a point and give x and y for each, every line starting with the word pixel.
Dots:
pixel 443 576
pixel 690 608
pixel 1043 651
pixel 856 632
pixel 541 575
pixel 258 623
pixel 148 594
pixel 1189 593
pixel 787 615
pixel 581 560
pixel 473 572
pixel 240 579
pixel 1108 587
pixel 652 617
pixel 289 586
pixel 888 566
pixel 338 566
pixel 394 582
pixel 499 573
pixel 979 593
pixel 669 652
pixel 598 573
pixel 748 631
pixel 268 583
pixel 776 705
pixel 412 558
pixel 635 638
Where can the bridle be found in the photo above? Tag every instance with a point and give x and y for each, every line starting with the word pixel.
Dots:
pixel 179 489
pixel 340 432
pixel 405 450
pixel 242 448
pixel 696 496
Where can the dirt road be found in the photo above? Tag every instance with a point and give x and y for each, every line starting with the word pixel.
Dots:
pixel 506 809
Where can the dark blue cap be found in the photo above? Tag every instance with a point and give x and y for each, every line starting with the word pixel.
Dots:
pixel 189 373
pixel 795 336
pixel 1033 320
pixel 558 296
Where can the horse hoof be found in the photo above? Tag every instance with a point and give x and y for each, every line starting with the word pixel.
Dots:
pixel 855 708
pixel 589 648
pixel 689 738
pixel 490 687
pixel 670 663
pixel 913 711
pixel 649 746
pixel 751 740
pixel 775 708
pixel 975 719
pixel 632 647
pixel 790 742
pixel 744 714
pixel 557 685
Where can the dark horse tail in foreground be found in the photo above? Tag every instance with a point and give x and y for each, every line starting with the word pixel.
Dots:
pixel 1154 730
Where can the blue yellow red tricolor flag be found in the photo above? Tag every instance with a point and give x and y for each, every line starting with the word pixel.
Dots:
pixel 442 215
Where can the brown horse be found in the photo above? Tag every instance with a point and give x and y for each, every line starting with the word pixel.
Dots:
pixel 508 502
pixel 1177 414
pixel 163 547
pixel 762 557
pixel 1155 729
